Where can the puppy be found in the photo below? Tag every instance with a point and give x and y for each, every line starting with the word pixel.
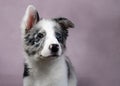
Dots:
pixel 44 42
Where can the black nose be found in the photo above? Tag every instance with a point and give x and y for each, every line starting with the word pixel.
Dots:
pixel 54 48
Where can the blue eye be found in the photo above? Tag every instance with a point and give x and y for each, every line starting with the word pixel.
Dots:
pixel 59 37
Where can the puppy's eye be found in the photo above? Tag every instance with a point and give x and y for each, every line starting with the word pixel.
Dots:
pixel 39 36
pixel 59 37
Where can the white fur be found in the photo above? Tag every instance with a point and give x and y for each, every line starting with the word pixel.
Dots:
pixel 51 73
pixel 48 26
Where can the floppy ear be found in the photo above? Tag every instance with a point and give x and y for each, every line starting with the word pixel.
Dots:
pixel 64 23
pixel 30 18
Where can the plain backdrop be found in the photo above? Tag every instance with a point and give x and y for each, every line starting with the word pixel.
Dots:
pixel 93 45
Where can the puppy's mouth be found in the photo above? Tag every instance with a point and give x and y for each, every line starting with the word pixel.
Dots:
pixel 54 55
pixel 50 56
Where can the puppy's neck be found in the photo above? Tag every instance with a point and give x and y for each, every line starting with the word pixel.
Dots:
pixel 44 64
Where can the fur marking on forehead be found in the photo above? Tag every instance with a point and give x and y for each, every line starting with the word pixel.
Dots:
pixel 47 25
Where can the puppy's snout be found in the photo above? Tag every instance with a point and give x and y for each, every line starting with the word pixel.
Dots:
pixel 54 48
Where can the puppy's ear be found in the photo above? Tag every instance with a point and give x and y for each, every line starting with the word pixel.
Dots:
pixel 64 23
pixel 30 18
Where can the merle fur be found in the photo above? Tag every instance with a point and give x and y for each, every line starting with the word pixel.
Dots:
pixel 33 38
pixel 33 41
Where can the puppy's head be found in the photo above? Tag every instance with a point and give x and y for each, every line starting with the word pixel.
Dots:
pixel 44 38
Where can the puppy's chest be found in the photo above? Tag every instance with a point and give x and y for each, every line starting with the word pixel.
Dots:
pixel 52 79
pixel 53 76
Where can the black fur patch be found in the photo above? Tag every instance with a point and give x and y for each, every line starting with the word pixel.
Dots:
pixel 64 22
pixel 37 15
pixel 68 70
pixel 26 71
pixel 61 35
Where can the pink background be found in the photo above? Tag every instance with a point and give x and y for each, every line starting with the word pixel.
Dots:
pixel 93 45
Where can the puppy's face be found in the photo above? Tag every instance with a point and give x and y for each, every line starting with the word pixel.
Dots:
pixel 44 38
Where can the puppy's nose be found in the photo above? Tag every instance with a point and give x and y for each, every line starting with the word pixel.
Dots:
pixel 54 48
